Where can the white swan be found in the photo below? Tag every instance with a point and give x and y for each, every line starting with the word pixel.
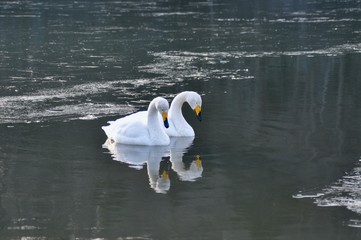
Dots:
pixel 178 126
pixel 141 128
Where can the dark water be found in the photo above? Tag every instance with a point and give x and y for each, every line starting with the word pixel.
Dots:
pixel 275 157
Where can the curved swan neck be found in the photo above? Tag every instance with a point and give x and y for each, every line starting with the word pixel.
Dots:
pixel 152 117
pixel 176 106
pixel 153 120
pixel 151 107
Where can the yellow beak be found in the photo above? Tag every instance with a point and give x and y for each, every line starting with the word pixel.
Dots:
pixel 165 119
pixel 198 111
pixel 164 116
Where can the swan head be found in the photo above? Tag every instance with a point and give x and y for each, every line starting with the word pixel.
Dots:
pixel 195 102
pixel 162 106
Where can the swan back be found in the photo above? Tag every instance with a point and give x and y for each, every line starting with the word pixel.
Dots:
pixel 142 128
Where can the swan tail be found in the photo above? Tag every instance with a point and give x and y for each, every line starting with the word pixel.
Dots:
pixel 107 130
pixel 108 143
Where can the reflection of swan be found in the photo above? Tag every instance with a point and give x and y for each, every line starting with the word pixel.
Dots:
pixel 137 156
pixel 179 146
pixel 158 173
pixel 178 126
pixel 141 128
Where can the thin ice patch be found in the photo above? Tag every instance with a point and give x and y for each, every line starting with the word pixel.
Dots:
pixel 345 192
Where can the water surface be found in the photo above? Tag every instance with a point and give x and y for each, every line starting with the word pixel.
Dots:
pixel 275 157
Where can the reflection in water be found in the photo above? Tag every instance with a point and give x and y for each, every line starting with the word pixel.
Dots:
pixel 178 148
pixel 345 192
pixel 157 167
pixel 137 156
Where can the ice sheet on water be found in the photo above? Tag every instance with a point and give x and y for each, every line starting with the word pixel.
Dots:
pixel 62 104
pixel 354 223
pixel 180 65
pixel 345 192
pixel 307 195
pixel 85 101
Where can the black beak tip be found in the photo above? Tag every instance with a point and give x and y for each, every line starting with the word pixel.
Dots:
pixel 199 117
pixel 166 124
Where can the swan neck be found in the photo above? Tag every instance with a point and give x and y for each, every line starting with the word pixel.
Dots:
pixel 176 106
pixel 153 120
pixel 152 117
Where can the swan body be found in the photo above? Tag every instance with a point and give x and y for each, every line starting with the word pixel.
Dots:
pixel 141 128
pixel 178 126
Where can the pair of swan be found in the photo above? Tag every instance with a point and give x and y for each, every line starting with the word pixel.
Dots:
pixel 145 127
